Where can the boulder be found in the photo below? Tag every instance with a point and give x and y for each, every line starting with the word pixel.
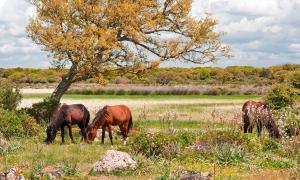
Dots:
pixel 193 175
pixel 114 160
pixel 12 174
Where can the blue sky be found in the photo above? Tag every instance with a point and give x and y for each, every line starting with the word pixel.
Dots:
pixel 261 32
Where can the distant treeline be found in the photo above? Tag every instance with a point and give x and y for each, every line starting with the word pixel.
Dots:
pixel 242 75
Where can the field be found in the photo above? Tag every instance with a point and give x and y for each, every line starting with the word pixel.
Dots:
pixel 211 122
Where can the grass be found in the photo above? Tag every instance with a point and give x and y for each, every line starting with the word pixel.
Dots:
pixel 229 160
pixel 226 151
pixel 178 124
pixel 146 97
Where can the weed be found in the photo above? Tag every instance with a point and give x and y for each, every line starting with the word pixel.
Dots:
pixel 230 155
pixel 37 170
pixel 68 168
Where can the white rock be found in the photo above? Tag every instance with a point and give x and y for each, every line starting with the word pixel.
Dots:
pixel 115 160
pixel 12 174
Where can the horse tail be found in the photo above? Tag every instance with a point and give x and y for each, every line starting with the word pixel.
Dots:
pixel 130 124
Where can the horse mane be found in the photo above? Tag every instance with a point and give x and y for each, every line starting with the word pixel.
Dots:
pixel 100 113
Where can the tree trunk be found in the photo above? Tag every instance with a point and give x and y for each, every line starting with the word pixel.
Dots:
pixel 64 84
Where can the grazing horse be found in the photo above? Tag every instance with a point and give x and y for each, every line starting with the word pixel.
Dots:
pixel 109 116
pixel 68 115
pixel 259 114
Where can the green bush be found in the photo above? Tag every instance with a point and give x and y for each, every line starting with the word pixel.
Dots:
pixel 69 169
pixel 17 124
pixel 229 154
pixel 163 144
pixel 295 80
pixel 281 97
pixel 269 145
pixel 43 111
pixel 276 163
pixel 10 95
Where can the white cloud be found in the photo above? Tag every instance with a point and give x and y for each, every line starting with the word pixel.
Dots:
pixel 261 32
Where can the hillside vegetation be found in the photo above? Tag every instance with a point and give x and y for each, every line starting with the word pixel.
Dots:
pixel 241 75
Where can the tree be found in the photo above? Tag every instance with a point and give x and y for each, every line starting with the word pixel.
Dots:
pixel 96 37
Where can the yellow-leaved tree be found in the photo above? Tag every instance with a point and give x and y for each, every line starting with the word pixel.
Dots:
pixel 93 38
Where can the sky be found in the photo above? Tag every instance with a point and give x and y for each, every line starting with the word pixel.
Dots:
pixel 260 32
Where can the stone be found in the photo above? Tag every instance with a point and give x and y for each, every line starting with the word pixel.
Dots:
pixel 114 160
pixel 3 143
pixel 54 174
pixel 12 174
pixel 200 146
pixel 193 175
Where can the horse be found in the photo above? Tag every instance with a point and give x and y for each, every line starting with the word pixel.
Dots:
pixel 109 116
pixel 68 115
pixel 259 114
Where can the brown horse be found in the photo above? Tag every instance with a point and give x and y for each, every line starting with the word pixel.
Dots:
pixel 109 116
pixel 259 114
pixel 68 115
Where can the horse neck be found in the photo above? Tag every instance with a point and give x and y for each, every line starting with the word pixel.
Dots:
pixel 99 121
pixel 58 120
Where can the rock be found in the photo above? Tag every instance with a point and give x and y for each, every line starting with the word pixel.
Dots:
pixel 3 143
pixel 193 175
pixel 54 174
pixel 200 146
pixel 114 160
pixel 12 174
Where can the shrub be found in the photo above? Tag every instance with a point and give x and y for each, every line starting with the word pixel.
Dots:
pixel 69 168
pixel 17 124
pixel 295 80
pixel 235 138
pixel 269 145
pixel 281 97
pixel 216 91
pixel 10 95
pixel 9 148
pixel 277 163
pixel 164 144
pixel 43 111
pixel 228 154
pixel 121 80
pixel 37 171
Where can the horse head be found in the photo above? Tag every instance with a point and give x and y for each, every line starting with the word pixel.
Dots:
pixel 90 133
pixel 51 134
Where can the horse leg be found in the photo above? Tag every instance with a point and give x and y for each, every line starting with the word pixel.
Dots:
pixel 70 133
pixel 103 134
pixel 250 129
pixel 110 134
pixel 246 123
pixel 259 127
pixel 81 126
pixel 246 127
pixel 62 129
pixel 124 132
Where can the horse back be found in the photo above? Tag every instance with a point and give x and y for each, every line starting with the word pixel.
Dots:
pixel 75 113
pixel 119 113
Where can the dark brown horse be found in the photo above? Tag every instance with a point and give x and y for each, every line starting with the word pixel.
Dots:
pixel 107 117
pixel 259 114
pixel 68 115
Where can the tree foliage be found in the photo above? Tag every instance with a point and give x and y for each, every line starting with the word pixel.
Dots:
pixel 282 97
pixel 97 37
